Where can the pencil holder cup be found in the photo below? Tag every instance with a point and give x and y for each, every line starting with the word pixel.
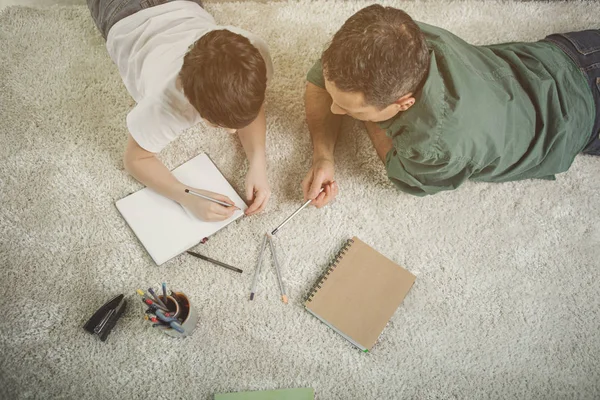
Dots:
pixel 172 305
pixel 188 315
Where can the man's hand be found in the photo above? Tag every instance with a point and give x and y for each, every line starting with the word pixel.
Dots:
pixel 208 210
pixel 257 188
pixel 320 176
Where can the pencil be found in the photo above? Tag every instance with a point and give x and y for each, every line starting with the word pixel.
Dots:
pixel 284 297
pixel 292 216
pixel 214 261
pixel 258 265
pixel 210 199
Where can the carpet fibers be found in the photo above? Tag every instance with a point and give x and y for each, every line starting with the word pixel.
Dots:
pixel 506 302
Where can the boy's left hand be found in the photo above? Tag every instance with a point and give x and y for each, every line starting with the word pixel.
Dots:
pixel 258 191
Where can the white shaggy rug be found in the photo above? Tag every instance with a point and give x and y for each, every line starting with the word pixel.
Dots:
pixel 507 298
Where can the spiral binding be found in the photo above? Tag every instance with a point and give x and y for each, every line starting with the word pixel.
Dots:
pixel 329 270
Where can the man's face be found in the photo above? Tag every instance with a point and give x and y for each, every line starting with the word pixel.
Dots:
pixel 353 104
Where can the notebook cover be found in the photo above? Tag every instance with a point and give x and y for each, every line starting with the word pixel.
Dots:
pixel 162 225
pixel 359 294
pixel 282 394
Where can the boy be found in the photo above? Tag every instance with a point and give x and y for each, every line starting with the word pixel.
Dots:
pixel 181 67
pixel 439 110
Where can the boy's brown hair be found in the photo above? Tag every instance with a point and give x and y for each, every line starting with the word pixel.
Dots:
pixel 225 78
pixel 379 52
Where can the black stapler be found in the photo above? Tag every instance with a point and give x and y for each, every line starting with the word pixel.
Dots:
pixel 106 317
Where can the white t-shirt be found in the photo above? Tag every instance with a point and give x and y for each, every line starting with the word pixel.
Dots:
pixel 148 48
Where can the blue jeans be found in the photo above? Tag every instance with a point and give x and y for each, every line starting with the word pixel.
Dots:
pixel 584 49
pixel 106 13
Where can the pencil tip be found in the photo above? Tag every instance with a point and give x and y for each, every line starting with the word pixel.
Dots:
pixel 284 298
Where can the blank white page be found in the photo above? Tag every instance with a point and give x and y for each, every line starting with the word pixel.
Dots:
pixel 163 227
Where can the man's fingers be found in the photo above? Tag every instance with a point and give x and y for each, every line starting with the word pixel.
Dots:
pixel 329 192
pixel 306 185
pixel 315 187
pixel 319 200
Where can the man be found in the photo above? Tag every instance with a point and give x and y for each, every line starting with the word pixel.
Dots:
pixel 440 111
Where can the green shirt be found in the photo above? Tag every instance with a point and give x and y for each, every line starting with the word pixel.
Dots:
pixel 488 113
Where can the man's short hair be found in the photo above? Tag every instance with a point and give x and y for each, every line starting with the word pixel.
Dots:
pixel 379 52
pixel 225 78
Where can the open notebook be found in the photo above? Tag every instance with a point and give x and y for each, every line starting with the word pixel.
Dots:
pixel 359 292
pixel 163 226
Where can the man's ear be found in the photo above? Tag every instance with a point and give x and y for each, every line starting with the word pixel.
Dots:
pixel 405 102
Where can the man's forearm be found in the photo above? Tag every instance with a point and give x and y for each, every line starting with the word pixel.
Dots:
pixel 150 171
pixel 323 125
pixel 253 138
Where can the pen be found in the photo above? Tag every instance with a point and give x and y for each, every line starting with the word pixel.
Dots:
pixel 165 317
pixel 151 303
pixel 291 216
pixel 164 287
pixel 158 300
pixel 214 261
pixel 210 199
pixel 177 326
pixel 172 321
pixel 284 297
pixel 258 265
pixel 151 318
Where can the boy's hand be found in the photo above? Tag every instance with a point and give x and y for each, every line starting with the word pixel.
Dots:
pixel 258 191
pixel 208 210
pixel 320 176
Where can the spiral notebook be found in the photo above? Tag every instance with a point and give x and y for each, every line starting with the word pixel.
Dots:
pixel 359 292
pixel 163 226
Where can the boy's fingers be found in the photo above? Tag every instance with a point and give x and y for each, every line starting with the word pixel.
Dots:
pixel 252 208
pixel 221 210
pixel 223 198
pixel 258 203
pixel 249 193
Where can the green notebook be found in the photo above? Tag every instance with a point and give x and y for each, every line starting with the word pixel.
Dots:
pixel 282 394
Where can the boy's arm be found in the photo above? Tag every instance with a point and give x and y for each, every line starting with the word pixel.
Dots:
pixel 253 138
pixel 150 171
pixel 324 127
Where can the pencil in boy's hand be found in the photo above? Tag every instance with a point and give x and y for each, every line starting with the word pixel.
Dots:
pixel 211 199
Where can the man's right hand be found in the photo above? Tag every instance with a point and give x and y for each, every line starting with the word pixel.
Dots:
pixel 320 176
pixel 208 210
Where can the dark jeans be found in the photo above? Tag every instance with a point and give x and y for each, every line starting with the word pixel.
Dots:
pixel 106 13
pixel 584 49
